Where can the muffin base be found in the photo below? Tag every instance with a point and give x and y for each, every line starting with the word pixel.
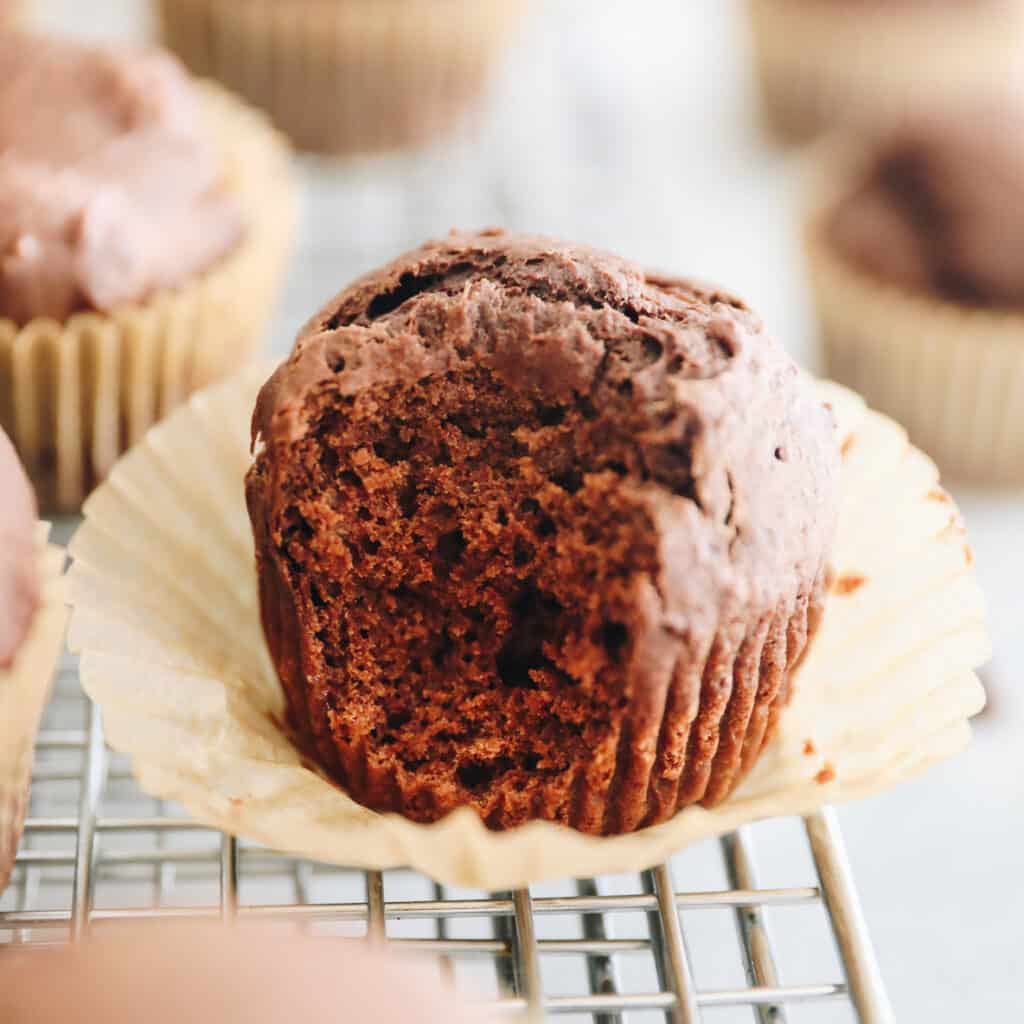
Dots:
pixel 346 77
pixel 822 66
pixel 24 688
pixel 74 396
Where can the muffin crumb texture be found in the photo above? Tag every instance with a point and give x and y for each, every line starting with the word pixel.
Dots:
pixel 504 562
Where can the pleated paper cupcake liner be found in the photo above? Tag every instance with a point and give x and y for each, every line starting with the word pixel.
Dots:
pixel 824 65
pixel 75 395
pixel 176 659
pixel 350 76
pixel 24 688
pixel 952 375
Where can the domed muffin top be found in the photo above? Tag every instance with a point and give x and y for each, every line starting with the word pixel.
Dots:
pixel 727 447
pixel 940 208
pixel 19 582
pixel 109 189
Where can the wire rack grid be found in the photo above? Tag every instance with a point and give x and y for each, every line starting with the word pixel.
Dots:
pixel 610 950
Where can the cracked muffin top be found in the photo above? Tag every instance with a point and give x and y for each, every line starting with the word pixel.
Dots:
pixel 726 441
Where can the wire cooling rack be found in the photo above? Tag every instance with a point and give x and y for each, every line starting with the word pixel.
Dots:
pixel 612 950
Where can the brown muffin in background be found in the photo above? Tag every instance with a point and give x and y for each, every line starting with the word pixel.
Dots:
pixel 144 220
pixel 940 209
pixel 539 534
pixel 915 245
pixel 827 65
pixel 19 599
pixel 19 577
pixel 347 76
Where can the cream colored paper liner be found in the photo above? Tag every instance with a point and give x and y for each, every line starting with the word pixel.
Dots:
pixel 347 76
pixel 24 688
pixel 821 64
pixel 953 376
pixel 74 396
pixel 166 620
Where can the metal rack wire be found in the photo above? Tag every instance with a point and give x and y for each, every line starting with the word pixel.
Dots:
pixel 608 950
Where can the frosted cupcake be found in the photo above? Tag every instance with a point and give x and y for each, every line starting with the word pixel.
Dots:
pixel 916 251
pixel 823 63
pixel 143 224
pixel 346 76
pixel 32 618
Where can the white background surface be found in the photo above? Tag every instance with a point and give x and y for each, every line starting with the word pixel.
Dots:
pixel 631 124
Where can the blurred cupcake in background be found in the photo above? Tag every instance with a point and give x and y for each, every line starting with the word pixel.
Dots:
pixel 347 76
pixel 32 618
pixel 144 223
pixel 825 63
pixel 214 974
pixel 916 252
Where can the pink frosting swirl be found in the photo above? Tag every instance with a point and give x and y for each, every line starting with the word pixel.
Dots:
pixel 109 189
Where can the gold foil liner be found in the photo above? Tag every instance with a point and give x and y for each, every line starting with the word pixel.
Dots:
pixel 952 375
pixel 167 624
pixel 348 76
pixel 823 65
pixel 24 688
pixel 75 395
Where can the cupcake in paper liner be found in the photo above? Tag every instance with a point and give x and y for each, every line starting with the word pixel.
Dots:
pixel 822 64
pixel 32 619
pixel 347 76
pixel 541 547
pixel 562 531
pixel 914 243
pixel 144 221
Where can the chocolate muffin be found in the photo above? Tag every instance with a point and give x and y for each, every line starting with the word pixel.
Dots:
pixel 940 209
pixel 539 534
pixel 915 244
pixel 111 191
pixel 144 219
pixel 19 578
pixel 19 599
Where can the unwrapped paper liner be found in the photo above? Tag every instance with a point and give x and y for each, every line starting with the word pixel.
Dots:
pixel 821 65
pixel 24 688
pixel 167 624
pixel 953 375
pixel 75 395
pixel 348 76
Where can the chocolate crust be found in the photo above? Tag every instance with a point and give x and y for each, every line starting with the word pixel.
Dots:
pixel 537 533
